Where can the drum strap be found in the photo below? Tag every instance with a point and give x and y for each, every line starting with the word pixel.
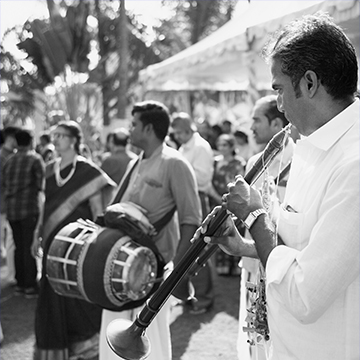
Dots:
pixel 158 225
pixel 124 184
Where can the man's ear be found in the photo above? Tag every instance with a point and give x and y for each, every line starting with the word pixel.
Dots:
pixel 310 83
pixel 148 128
pixel 277 124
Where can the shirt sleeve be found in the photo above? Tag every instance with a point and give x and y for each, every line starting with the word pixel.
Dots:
pixel 306 282
pixel 39 173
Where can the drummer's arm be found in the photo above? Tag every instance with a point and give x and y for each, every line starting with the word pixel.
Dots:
pixel 186 234
pixel 96 205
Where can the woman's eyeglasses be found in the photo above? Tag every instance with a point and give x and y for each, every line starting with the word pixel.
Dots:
pixel 60 135
pixel 222 145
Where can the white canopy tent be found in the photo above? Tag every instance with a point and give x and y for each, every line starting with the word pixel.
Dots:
pixel 229 59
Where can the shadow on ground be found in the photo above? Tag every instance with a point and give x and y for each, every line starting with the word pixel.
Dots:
pixel 210 336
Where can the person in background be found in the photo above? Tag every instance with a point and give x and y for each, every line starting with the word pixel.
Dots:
pixel 204 129
pixel 226 166
pixel 311 252
pixel 243 147
pixel 267 121
pixel 108 146
pixel 23 180
pixel 115 164
pixel 65 327
pixel 6 237
pixel 46 148
pixel 197 151
pixel 86 152
pixel 214 132
pixel 159 181
pixel 8 148
pixel 226 127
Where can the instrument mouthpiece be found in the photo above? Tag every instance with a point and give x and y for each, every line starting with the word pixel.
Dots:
pixel 271 150
pixel 287 128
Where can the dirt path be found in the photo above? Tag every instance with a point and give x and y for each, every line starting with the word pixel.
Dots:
pixel 209 336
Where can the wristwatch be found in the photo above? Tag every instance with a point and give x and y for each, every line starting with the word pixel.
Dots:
pixel 249 221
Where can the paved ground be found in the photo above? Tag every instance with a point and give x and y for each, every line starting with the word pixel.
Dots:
pixel 210 336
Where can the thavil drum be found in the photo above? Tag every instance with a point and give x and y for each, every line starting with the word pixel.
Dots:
pixel 101 265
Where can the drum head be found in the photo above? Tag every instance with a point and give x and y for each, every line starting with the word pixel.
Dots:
pixel 134 271
pixel 142 274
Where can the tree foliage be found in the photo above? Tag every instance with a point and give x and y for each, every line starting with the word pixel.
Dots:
pixel 51 46
pixel 191 22
pixel 140 55
pixel 53 43
pixel 63 42
pixel 21 84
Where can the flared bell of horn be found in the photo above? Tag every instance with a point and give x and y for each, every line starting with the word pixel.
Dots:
pixel 128 340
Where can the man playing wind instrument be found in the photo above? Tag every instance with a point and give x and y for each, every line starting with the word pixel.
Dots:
pixel 311 258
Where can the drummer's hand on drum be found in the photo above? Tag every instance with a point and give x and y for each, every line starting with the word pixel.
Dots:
pixel 242 198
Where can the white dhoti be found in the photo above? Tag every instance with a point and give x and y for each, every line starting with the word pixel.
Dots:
pixel 158 333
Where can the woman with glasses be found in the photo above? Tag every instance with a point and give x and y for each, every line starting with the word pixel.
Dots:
pixel 227 165
pixel 67 328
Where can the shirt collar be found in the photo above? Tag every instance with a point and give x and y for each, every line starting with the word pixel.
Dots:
pixel 157 151
pixel 327 135
pixel 191 142
pixel 288 150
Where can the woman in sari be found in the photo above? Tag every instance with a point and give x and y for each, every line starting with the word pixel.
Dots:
pixel 67 328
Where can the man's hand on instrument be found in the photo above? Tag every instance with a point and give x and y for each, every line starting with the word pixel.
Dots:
pixel 226 229
pixel 168 269
pixel 227 237
pixel 242 198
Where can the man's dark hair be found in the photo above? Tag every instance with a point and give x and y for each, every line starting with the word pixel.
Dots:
pixel 121 137
pixel 9 131
pixel 316 43
pixel 46 137
pixel 24 137
pixel 240 134
pixel 155 113
pixel 109 136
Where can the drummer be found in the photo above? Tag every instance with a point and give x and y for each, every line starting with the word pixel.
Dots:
pixel 159 181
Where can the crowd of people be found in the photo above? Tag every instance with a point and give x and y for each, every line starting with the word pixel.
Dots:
pixel 293 234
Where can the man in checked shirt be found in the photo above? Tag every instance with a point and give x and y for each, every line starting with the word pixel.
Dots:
pixel 23 181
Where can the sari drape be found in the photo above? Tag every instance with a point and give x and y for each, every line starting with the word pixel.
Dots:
pixel 63 323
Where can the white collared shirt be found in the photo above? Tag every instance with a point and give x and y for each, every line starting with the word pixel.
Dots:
pixel 313 282
pixel 197 151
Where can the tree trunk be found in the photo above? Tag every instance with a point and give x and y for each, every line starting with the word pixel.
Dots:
pixel 123 61
pixel 105 84
pixel 202 12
